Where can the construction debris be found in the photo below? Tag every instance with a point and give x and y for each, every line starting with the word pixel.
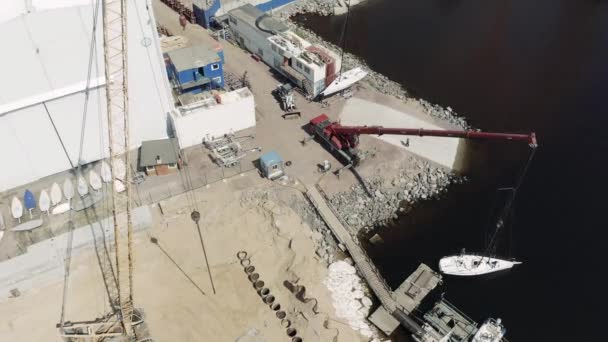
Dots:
pixel 349 298
pixel 379 200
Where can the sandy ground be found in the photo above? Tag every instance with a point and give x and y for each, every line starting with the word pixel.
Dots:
pixel 281 248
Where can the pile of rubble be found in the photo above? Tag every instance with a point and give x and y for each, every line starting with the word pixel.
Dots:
pixel 350 302
pixel 444 114
pixel 381 200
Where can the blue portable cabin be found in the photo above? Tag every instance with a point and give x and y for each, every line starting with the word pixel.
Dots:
pixel 271 165
pixel 195 69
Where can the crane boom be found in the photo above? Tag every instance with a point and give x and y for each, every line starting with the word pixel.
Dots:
pixel 467 134
pixel 343 140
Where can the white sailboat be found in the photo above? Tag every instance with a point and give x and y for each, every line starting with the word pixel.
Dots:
pixel 55 194
pixel 44 201
pixel 491 330
pixel 83 187
pixel 68 189
pixel 94 180
pixel 106 173
pixel 16 208
pixel 472 265
pixel 344 81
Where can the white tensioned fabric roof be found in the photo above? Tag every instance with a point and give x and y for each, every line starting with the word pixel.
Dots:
pixel 43 72
pixel 45 49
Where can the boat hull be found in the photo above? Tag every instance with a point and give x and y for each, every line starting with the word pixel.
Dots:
pixel 344 81
pixel 473 265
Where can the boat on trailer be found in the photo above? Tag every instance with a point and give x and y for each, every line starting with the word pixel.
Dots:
pixel 465 264
pixel 344 81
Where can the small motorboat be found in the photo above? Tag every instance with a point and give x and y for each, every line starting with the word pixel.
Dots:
pixel 55 194
pixel 61 208
pixel 120 170
pixel 16 208
pixel 68 189
pixel 29 225
pixel 30 201
pixel 83 187
pixel 44 201
pixel 106 173
pixel 94 180
pixel 119 186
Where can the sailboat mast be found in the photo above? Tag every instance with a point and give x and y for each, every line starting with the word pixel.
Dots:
pixel 500 222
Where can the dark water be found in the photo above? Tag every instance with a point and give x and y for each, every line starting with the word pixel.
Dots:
pixel 516 65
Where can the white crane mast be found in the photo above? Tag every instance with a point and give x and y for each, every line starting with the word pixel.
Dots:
pixel 117 275
pixel 117 100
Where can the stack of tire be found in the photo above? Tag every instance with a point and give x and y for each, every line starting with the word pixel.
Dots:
pixel 264 293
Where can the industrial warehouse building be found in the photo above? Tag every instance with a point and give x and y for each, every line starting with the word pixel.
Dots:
pixel 45 77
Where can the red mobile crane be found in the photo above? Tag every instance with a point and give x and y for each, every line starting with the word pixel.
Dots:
pixel 343 140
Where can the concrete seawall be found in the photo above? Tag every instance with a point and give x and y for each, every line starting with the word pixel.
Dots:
pixel 44 262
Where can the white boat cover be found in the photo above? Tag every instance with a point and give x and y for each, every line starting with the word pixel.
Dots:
pixel 119 169
pixel 29 225
pixel 83 187
pixel 44 202
pixel 60 209
pixel 94 180
pixel 106 173
pixel 68 189
pixel 16 208
pixel 344 81
pixel 55 194
pixel 472 265
pixel 119 186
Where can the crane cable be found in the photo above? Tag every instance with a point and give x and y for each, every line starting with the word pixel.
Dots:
pixel 343 38
pixel 76 168
pixel 507 208
pixel 186 178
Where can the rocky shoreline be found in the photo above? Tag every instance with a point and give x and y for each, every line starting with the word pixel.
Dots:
pixel 321 7
pixel 383 199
